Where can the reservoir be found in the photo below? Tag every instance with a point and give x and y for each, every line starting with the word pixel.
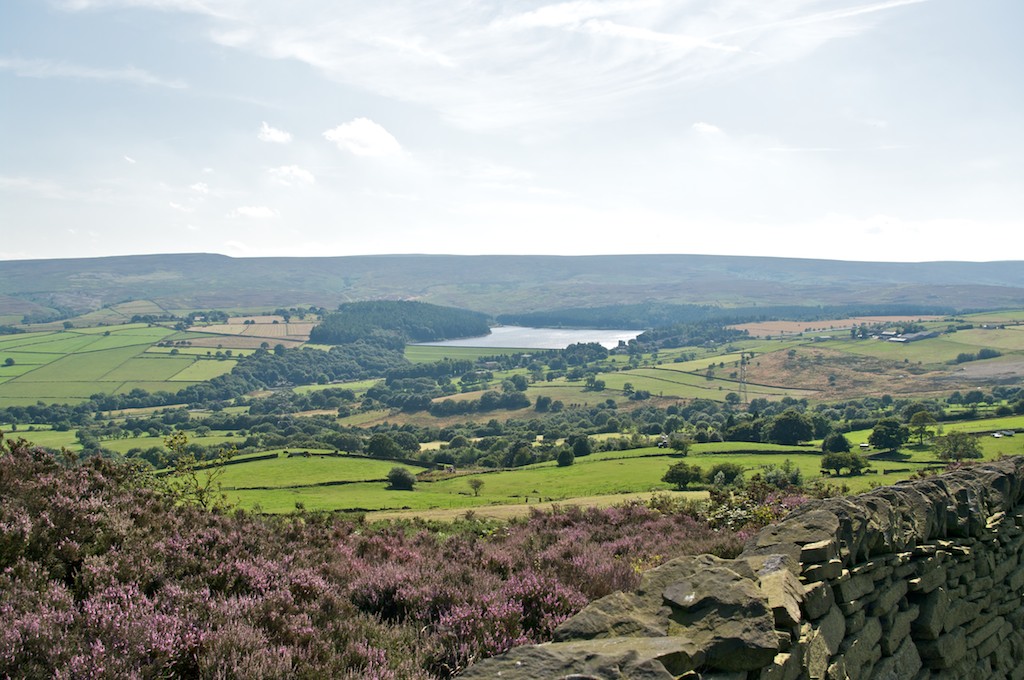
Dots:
pixel 521 337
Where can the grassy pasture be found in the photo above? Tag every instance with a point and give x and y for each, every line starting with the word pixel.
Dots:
pixel 119 313
pixel 285 472
pixel 148 368
pixel 419 354
pixel 569 393
pixel 20 340
pixel 199 371
pixel 356 386
pixel 1005 316
pixel 235 342
pixel 544 482
pixel 69 366
pixel 195 351
pixel 82 367
pixel 932 351
pixel 1008 339
pixel 150 386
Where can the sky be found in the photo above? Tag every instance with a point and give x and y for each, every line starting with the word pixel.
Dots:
pixel 886 130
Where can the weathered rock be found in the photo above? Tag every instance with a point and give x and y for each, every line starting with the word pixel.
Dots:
pixel 818 599
pixel 904 663
pixel 727 616
pixel 822 642
pixel 625 658
pixel 862 649
pixel 810 524
pixel 614 615
pixel 945 651
pixel 888 598
pixel 929 622
pixel 896 627
pixel 785 594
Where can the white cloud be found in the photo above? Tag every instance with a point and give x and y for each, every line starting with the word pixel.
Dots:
pixel 255 212
pixel 273 135
pixel 706 128
pixel 200 188
pixel 131 160
pixel 363 137
pixel 180 208
pixel 290 175
pixel 46 68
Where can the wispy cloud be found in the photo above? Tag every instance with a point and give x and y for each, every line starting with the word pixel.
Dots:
pixel 129 159
pixel 273 135
pixel 46 68
pixel 363 137
pixel 200 188
pixel 483 66
pixel 290 175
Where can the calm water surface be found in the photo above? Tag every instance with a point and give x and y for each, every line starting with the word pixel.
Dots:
pixel 539 338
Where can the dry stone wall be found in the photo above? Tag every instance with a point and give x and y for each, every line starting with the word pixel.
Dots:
pixel 919 580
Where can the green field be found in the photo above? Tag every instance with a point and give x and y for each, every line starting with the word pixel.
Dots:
pixel 1007 340
pixel 70 366
pixel 934 351
pixel 419 354
pixel 603 474
pixel 298 470
pixel 357 386
pixel 199 371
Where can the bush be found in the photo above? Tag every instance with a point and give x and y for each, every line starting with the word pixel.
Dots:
pixel 682 475
pixel 401 479
pixel 725 473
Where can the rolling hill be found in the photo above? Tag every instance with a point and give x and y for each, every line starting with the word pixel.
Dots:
pixel 500 284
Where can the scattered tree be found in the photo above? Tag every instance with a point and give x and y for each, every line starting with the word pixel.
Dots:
pixel 383 446
pixel 889 434
pixel 835 442
pixel 475 483
pixel 957 446
pixel 921 424
pixel 790 427
pixel 839 460
pixel 680 444
pixel 682 475
pixel 582 447
pixel 566 457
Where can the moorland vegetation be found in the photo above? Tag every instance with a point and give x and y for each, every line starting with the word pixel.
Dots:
pixel 172 521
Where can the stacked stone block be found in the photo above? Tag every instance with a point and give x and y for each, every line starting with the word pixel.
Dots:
pixel 921 580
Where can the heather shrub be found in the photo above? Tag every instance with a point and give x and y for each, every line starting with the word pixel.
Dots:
pixel 103 576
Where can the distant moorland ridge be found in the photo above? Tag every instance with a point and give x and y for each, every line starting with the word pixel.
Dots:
pixel 501 284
